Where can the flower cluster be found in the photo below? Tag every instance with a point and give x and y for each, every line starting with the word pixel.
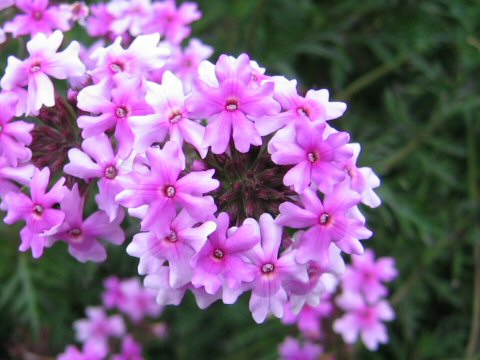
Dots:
pixel 101 334
pixel 240 183
pixel 360 293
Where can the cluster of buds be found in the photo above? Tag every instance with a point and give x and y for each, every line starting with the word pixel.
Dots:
pixel 240 183
pixel 102 335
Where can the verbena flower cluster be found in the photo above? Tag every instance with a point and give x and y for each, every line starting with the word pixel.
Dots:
pixel 240 182
pixel 360 293
pixel 105 335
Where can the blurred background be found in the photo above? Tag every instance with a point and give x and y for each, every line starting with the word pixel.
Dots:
pixel 409 73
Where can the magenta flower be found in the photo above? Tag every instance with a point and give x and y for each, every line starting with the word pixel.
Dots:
pixel 98 327
pixel 90 351
pixel 327 222
pixel 231 106
pixel 131 350
pixel 105 167
pixel 366 276
pixel 127 100
pixel 129 16
pixel 172 22
pixel 175 243
pixel 314 107
pixel 185 63
pixel 44 61
pixel 142 56
pixel 82 236
pixel 137 302
pixel 170 117
pixel 38 18
pixel 363 320
pixel 221 262
pixel 316 160
pixel 163 190
pixel 9 176
pixel 14 135
pixel 272 271
pixel 292 349
pixel 38 212
pixel 362 180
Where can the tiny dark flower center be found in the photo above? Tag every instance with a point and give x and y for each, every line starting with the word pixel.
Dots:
pixel 169 191
pixel 232 105
pixel 313 157
pixel 35 68
pixel 172 237
pixel 121 111
pixel 38 209
pixel 175 117
pixel 75 235
pixel 267 268
pixel 324 219
pixel 37 15
pixel 110 172
pixel 302 111
pixel 218 253
pixel 116 67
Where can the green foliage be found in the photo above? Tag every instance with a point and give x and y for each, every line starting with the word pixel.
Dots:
pixel 409 72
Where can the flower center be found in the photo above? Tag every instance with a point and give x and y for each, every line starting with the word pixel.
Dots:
pixel 251 184
pixel 175 117
pixel 35 68
pixel 110 172
pixel 37 15
pixel 324 219
pixel 302 111
pixel 232 105
pixel 172 237
pixel 75 235
pixel 218 254
pixel 313 157
pixel 169 191
pixel 38 209
pixel 116 67
pixel 267 268
pixel 121 111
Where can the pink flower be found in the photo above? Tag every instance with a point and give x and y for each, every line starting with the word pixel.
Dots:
pixel 272 271
pixel 90 351
pixel 131 350
pixel 129 16
pixel 292 349
pixel 170 117
pixel 314 107
pixel 163 190
pixel 221 262
pixel 175 243
pixel 38 18
pixel 362 180
pixel 105 167
pixel 142 56
pixel 38 212
pixel 171 22
pixel 184 63
pixel 136 301
pixel 82 236
pixel 363 320
pixel 328 221
pixel 366 276
pixel 98 328
pixel 44 61
pixel 231 106
pixel 316 160
pixel 14 136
